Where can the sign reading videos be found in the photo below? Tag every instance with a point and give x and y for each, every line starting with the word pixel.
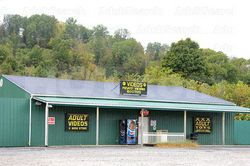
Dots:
pixel 76 122
pixel 203 125
pixel 132 87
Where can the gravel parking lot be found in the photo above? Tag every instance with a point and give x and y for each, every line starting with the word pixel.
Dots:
pixel 128 155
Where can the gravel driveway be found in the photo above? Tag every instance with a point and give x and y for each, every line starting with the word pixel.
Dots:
pixel 128 155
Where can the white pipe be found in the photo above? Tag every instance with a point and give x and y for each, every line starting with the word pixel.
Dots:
pixel 46 124
pixel 97 125
pixel 30 120
pixel 185 124
pixel 223 128
pixel 142 111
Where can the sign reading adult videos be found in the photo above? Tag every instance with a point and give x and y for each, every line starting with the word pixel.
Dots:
pixel 203 125
pixel 76 122
pixel 132 87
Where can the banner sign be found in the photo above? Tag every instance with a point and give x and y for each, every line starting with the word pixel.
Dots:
pixel 76 122
pixel 132 87
pixel 203 125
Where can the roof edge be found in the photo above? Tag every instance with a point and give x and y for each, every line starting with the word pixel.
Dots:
pixel 4 76
pixel 131 99
pixel 136 106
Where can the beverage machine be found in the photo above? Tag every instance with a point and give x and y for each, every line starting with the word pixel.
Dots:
pixel 128 132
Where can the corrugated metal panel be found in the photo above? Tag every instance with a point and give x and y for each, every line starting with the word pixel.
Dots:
pixel 229 128
pixel 94 89
pixel 37 134
pixel 109 124
pixel 57 133
pixel 14 115
pixel 215 138
pixel 171 121
pixel 10 90
pixel 241 132
pixel 141 104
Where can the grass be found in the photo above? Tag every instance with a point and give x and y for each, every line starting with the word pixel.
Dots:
pixel 184 144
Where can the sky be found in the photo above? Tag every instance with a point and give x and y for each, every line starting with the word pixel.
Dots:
pixel 221 25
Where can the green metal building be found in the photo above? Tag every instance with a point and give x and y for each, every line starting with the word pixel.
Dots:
pixel 34 111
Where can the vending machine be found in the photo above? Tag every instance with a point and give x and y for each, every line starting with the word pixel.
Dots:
pixel 131 131
pixel 123 132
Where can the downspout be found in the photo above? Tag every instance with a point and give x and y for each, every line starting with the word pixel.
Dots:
pixel 46 125
pixel 30 120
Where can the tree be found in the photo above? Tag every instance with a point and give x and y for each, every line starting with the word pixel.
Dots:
pixel 99 42
pixel 100 31
pixel 62 54
pixel 156 51
pixel 185 57
pixel 40 29
pixel 13 24
pixel 71 29
pixel 122 34
pixel 243 69
pixel 128 57
pixel 5 51
pixel 83 60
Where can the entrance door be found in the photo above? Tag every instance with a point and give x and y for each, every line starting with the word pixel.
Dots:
pixel 145 128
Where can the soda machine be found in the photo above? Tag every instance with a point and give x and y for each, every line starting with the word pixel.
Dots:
pixel 131 131
pixel 128 132
pixel 123 132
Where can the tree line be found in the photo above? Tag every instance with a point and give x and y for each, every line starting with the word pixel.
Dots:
pixel 41 45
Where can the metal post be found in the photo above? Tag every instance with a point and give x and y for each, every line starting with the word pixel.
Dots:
pixel 97 125
pixel 185 124
pixel 223 128
pixel 29 143
pixel 46 124
pixel 142 111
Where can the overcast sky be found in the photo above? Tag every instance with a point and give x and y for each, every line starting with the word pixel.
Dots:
pixel 221 25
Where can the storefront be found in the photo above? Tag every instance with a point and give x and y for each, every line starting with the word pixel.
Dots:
pixel 46 112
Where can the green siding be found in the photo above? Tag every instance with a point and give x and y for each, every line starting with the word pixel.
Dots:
pixel 14 115
pixel 109 124
pixel 10 90
pixel 207 139
pixel 37 129
pixel 173 121
pixel 58 135
pixel 229 128
pixel 215 138
pixel 242 132
pixel 166 120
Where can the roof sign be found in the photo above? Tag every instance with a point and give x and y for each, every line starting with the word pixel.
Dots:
pixel 132 87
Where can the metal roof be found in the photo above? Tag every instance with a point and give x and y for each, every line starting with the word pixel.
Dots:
pixel 140 104
pixel 108 90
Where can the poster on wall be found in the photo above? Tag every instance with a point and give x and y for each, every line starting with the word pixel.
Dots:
pixel 76 122
pixel 202 125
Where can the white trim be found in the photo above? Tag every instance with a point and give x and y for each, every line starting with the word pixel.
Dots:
pixel 30 120
pixel 133 99
pixel 1 82
pixel 136 106
pixel 46 124
pixel 223 128
pixel 97 125
pixel 142 112
pixel 185 124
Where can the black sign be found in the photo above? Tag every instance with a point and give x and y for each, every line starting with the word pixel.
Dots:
pixel 132 87
pixel 76 122
pixel 203 125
